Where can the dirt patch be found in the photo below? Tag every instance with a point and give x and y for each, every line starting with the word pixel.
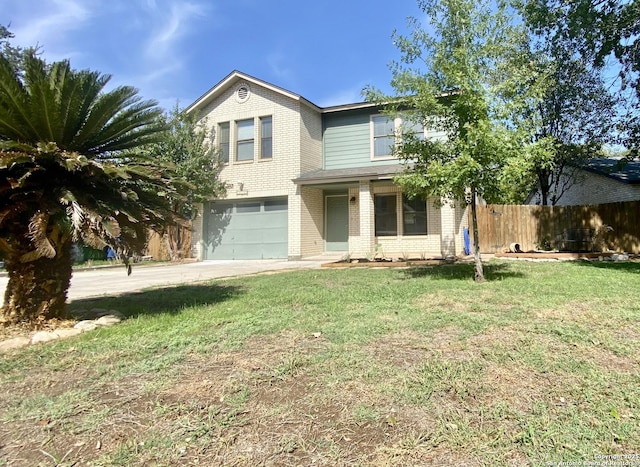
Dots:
pixel 427 399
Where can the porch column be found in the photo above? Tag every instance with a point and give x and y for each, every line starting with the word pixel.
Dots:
pixel 367 219
pixel 448 226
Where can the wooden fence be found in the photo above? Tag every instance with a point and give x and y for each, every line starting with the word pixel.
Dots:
pixel 568 228
pixel 158 249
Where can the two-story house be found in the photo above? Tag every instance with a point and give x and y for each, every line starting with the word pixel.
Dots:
pixel 303 180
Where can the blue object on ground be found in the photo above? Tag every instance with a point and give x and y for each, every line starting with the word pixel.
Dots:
pixel 110 253
pixel 467 248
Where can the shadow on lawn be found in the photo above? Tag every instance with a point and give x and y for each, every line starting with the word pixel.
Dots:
pixel 165 300
pixel 464 271
pixel 623 266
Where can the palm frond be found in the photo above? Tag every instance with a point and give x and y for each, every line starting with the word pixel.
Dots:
pixel 15 123
pixel 38 226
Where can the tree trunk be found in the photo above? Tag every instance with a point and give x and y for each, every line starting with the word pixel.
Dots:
pixel 545 186
pixel 478 275
pixel 37 290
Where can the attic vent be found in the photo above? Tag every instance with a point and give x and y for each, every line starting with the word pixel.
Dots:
pixel 243 92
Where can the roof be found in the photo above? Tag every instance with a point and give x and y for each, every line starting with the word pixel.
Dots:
pixel 622 170
pixel 237 76
pixel 378 172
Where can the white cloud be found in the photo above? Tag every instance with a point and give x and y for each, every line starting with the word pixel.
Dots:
pixel 171 28
pixel 46 25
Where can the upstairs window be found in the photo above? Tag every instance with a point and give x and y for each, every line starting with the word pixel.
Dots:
pixel 385 132
pixel 384 136
pixel 414 128
pixel 223 141
pixel 266 138
pixel 245 140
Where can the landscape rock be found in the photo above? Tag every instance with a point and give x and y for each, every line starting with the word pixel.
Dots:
pixel 100 312
pixel 108 320
pixel 85 325
pixel 41 337
pixel 14 343
pixel 67 332
pixel 102 317
pixel 117 314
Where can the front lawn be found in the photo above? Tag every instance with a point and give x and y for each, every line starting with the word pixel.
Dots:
pixel 539 365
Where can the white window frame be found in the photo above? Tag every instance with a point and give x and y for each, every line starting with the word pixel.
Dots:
pixel 219 141
pixel 397 127
pixel 400 217
pixel 246 140
pixel 261 156
pixel 372 137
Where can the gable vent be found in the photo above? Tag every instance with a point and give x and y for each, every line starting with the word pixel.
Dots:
pixel 243 92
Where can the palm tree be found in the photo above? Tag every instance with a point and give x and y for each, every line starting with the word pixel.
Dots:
pixel 71 168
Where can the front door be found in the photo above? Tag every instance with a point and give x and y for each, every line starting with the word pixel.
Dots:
pixel 337 223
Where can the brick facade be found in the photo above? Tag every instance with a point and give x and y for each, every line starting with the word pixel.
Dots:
pixel 599 189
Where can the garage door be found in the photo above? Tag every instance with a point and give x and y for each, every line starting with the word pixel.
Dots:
pixel 251 229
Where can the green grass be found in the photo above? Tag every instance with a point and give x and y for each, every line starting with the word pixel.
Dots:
pixel 357 366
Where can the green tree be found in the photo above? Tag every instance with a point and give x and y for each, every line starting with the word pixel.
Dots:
pixel 446 80
pixel 14 54
pixel 568 124
pixel 186 145
pixel 599 31
pixel 71 169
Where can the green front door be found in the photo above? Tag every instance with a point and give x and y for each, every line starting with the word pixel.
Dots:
pixel 337 225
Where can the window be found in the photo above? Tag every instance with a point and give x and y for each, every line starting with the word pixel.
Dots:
pixel 247 208
pixel 383 136
pixel 414 216
pixel 223 141
pixel 385 130
pixel 416 128
pixel 244 149
pixel 276 205
pixel 386 218
pixel 266 138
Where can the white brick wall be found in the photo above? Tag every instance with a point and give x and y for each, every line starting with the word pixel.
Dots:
pixel 444 227
pixel 312 242
pixel 296 145
pixel 196 235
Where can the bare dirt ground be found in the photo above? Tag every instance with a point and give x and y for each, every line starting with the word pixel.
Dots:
pixel 231 408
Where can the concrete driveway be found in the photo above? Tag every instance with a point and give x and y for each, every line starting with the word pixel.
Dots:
pixel 113 281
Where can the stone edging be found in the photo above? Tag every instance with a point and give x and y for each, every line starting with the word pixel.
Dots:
pixel 90 320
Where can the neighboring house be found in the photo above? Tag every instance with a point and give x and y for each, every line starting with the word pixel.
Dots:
pixel 601 181
pixel 304 180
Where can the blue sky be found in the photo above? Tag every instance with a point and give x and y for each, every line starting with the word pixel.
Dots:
pixel 173 50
